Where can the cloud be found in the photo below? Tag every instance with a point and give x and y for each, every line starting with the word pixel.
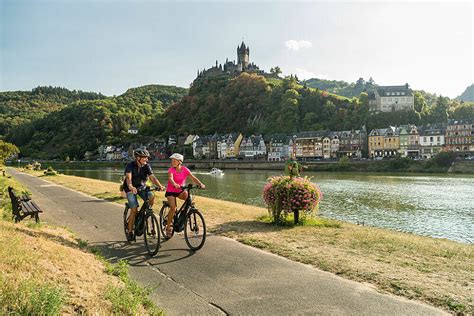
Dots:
pixel 296 45
pixel 304 74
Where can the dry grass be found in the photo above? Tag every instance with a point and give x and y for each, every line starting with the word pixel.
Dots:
pixel 45 270
pixel 437 271
pixel 51 256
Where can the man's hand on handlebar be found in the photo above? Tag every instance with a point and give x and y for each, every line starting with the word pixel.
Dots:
pixel 158 188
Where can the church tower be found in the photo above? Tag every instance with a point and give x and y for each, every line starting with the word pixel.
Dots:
pixel 243 53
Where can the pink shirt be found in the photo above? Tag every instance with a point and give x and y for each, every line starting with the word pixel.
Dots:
pixel 178 177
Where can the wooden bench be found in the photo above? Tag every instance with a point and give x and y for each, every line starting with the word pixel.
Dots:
pixel 23 207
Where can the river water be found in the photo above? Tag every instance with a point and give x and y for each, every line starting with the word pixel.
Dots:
pixel 439 206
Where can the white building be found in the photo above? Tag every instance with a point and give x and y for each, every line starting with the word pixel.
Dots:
pixel 391 98
pixel 432 140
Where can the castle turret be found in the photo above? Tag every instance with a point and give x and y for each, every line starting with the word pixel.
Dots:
pixel 243 53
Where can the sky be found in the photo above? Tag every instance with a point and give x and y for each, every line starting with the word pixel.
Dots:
pixel 109 46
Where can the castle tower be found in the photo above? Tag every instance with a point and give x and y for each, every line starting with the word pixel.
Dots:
pixel 243 53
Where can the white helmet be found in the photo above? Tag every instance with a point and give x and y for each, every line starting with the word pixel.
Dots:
pixel 178 157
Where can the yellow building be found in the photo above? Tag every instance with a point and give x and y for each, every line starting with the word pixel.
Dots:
pixel 384 142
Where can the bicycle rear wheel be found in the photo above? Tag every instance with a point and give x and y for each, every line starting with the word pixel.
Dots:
pixel 126 214
pixel 165 210
pixel 195 230
pixel 151 234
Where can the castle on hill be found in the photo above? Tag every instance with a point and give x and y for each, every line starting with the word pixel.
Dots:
pixel 231 67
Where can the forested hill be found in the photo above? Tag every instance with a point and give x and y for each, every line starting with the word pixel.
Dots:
pixel 18 107
pixel 254 104
pixel 249 104
pixel 341 87
pixel 468 94
pixel 64 124
pixel 158 96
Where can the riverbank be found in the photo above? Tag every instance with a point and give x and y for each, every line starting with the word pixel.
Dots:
pixel 436 271
pixel 387 165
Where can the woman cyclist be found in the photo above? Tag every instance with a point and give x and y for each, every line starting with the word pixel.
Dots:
pixel 177 175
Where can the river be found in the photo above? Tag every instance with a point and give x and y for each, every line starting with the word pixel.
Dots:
pixel 433 205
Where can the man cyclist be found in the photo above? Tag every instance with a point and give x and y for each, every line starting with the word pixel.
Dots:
pixel 137 173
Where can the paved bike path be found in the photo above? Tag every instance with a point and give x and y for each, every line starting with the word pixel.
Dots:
pixel 224 277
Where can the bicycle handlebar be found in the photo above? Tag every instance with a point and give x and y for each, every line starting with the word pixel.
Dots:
pixel 190 187
pixel 148 188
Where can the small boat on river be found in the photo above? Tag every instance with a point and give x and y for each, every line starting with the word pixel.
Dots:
pixel 216 172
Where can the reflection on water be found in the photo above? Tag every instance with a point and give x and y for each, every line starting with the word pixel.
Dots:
pixel 431 205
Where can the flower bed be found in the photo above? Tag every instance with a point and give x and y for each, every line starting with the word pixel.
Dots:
pixel 287 194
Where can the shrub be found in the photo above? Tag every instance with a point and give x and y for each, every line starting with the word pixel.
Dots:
pixel 286 194
pixel 445 158
pixel 50 171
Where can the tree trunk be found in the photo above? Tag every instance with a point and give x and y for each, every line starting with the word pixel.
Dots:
pixel 296 216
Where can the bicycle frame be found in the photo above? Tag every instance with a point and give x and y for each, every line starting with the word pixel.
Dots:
pixel 185 207
pixel 144 210
pixel 186 214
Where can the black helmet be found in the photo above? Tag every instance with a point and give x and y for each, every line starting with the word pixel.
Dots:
pixel 141 153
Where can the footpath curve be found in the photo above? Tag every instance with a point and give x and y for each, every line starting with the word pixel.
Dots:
pixel 225 277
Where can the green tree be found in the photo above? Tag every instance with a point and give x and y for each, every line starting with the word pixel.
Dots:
pixel 440 110
pixel 7 150
pixel 276 71
pixel 419 102
pixel 288 117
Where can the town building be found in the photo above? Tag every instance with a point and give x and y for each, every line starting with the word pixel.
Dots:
pixel 253 147
pixel 460 136
pixel 352 144
pixel 383 142
pixel 278 148
pixel 391 98
pixel 432 140
pixel 409 141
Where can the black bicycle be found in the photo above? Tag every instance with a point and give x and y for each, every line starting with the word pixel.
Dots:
pixel 146 224
pixel 187 218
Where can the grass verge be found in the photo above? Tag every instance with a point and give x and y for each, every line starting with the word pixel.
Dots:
pixel 437 271
pixel 45 270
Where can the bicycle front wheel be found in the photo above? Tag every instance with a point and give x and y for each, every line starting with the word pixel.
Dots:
pixel 151 234
pixel 195 230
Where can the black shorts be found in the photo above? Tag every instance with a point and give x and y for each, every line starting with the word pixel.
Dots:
pixel 175 194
